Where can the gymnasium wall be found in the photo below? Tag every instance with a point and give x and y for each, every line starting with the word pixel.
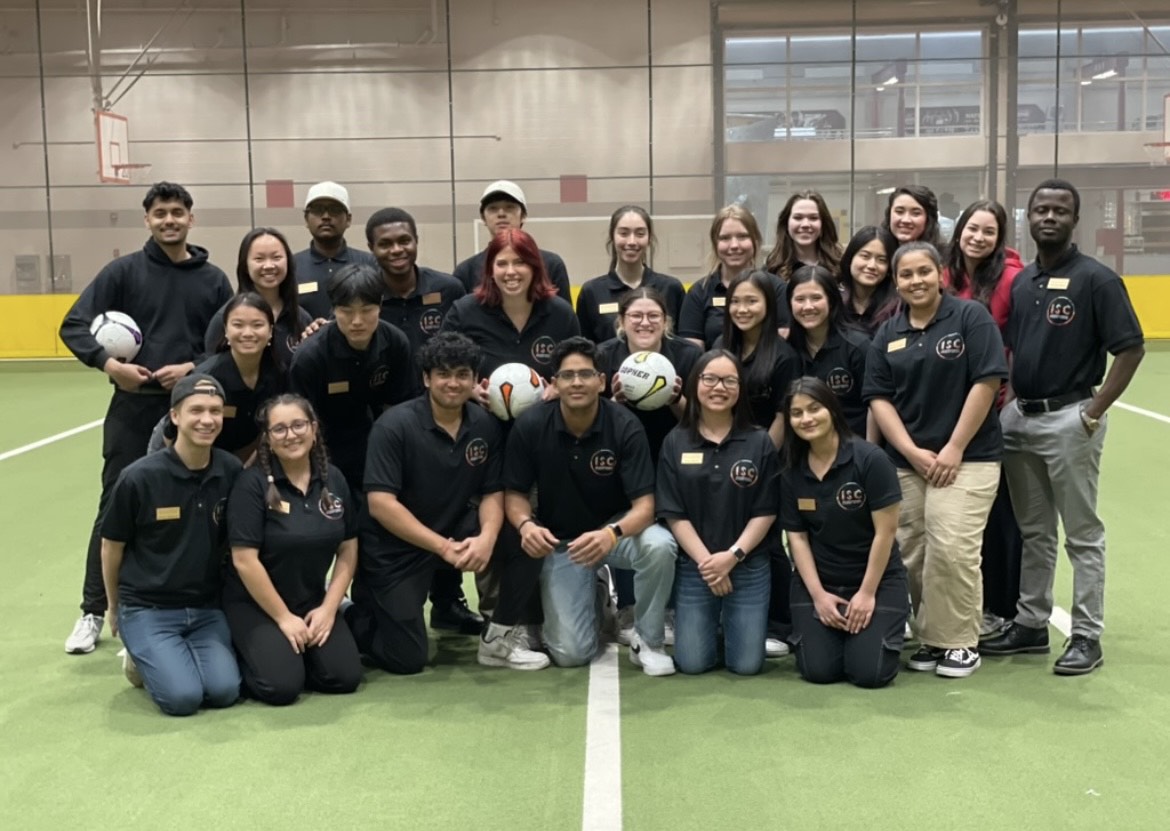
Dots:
pixel 419 104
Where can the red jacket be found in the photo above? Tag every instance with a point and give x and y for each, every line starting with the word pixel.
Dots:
pixel 1000 304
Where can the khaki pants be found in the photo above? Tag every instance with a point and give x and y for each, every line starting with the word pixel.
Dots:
pixel 940 532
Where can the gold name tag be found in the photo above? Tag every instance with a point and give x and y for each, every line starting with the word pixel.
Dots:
pixel 282 508
pixel 806 504
pixel 164 514
pixel 1058 283
pixel 338 387
pixel 692 458
pixel 718 302
pixel 306 288
pixel 607 309
pixel 895 345
pixel 432 299
pixel 229 411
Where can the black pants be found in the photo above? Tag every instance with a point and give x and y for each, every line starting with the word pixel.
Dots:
pixel 130 418
pixel 387 614
pixel 519 578
pixel 871 658
pixel 1002 551
pixel 446 584
pixel 273 673
pixel 779 613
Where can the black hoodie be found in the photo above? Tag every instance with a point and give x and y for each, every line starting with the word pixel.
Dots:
pixel 171 302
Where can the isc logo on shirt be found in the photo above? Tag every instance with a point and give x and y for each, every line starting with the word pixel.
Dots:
pixel 430 321
pixel 378 377
pixel 839 380
pixel 950 347
pixel 744 473
pixel 1061 311
pixel 477 452
pixel 603 462
pixel 850 496
pixel 542 349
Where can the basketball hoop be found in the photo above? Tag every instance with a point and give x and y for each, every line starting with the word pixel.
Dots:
pixel 1158 151
pixel 132 174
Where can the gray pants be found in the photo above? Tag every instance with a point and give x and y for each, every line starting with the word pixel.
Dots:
pixel 1052 466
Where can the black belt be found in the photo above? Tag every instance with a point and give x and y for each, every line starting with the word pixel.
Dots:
pixel 1039 406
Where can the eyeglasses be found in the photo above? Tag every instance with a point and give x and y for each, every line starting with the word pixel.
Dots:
pixel 649 317
pixel 297 428
pixel 729 382
pixel 571 375
pixel 327 210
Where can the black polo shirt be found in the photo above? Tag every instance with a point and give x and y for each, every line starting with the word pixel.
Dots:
pixel 597 302
pixel 840 363
pixel 420 315
pixel 286 334
pixel 927 373
pixel 171 519
pixel 241 401
pixel 719 487
pixel 470 272
pixel 439 479
pixel 349 389
pixel 705 305
pixel 1062 322
pixel 657 423
pixel 765 400
pixel 583 482
pixel 837 512
pixel 313 270
pixel 551 322
pixel 298 541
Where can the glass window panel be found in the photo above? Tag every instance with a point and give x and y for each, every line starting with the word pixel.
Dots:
pixel 951 45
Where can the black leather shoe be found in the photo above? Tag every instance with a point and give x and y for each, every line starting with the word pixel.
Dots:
pixel 1017 640
pixel 454 616
pixel 1082 656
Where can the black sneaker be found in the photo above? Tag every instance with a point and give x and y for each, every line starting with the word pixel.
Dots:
pixel 925 659
pixel 454 616
pixel 958 663
pixel 1017 640
pixel 1082 656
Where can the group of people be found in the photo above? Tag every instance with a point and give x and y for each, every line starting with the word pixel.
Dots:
pixel 323 460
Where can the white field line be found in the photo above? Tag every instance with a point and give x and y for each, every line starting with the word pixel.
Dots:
pixel 603 746
pixel 20 451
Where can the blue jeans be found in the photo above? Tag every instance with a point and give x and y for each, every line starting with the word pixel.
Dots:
pixel 184 656
pixel 570 606
pixel 743 613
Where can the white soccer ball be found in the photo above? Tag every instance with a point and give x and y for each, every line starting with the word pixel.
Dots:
pixel 512 389
pixel 118 334
pixel 647 380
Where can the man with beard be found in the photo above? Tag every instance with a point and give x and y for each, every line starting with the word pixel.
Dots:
pixel 327 217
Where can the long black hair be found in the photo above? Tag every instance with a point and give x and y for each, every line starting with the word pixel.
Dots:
pixel 318 456
pixel 759 374
pixel 926 199
pixel 289 293
pixel 797 334
pixel 741 411
pixel 253 301
pixel 884 300
pixel 794 450
pixel 990 268
pixel 644 215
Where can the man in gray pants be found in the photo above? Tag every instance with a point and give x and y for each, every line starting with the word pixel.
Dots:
pixel 1068 310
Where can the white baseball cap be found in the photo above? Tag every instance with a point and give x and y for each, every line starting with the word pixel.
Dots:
pixel 327 190
pixel 505 188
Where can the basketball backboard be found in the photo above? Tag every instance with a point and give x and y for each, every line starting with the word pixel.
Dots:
pixel 113 145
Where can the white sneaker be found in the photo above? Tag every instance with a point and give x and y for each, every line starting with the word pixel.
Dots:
pixel 130 669
pixel 652 661
pixel 775 648
pixel 504 646
pixel 625 625
pixel 85 635
pixel 668 629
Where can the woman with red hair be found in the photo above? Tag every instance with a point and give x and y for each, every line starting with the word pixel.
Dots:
pixel 515 316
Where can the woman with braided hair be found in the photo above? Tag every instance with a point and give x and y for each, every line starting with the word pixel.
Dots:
pixel 290 518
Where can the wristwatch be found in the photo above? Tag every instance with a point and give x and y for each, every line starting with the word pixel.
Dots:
pixel 738 553
pixel 1091 424
pixel 617 530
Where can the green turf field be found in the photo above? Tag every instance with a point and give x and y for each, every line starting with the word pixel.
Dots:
pixel 460 746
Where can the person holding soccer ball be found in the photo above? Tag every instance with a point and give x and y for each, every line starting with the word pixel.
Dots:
pixel 172 291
